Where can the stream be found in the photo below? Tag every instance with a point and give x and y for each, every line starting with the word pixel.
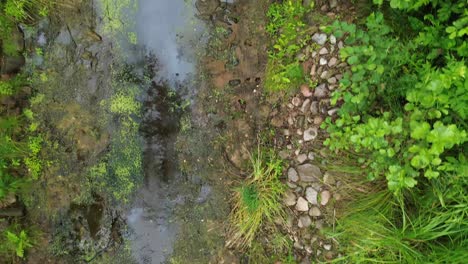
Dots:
pixel 169 31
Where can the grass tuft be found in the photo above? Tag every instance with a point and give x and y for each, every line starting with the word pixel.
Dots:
pixel 257 203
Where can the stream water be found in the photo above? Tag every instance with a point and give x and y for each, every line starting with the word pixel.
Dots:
pixel 169 31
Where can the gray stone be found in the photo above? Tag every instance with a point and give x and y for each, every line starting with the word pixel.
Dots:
pixel 301 158
pixel 332 111
pixel 311 155
pixel 325 197
pixel 324 75
pixel 319 38
pixel 304 221
pixel 311 195
pixel 340 45
pixel 323 51
pixel 305 106
pixel 314 107
pixel 315 211
pixel 332 39
pixel 333 3
pixel 323 61
pixel 309 173
pixel 302 205
pixel 289 198
pixel 321 91
pixel 292 175
pixel 310 134
pixel 318 120
pixel 296 101
pixel 333 61
pixel 331 80
pixel 329 178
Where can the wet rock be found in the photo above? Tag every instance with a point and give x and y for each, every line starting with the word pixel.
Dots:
pixel 234 82
pixel 314 107
pixel 315 212
pixel 305 106
pixel 204 193
pixel 292 175
pixel 305 90
pixel 310 134
pixel 301 158
pixel 309 173
pixel 321 91
pixel 289 198
pixel 304 221
pixel 329 178
pixel 333 61
pixel 323 51
pixel 296 101
pixel 311 195
pixel 325 197
pixel 302 205
pixel 332 39
pixel 319 38
pixel 323 61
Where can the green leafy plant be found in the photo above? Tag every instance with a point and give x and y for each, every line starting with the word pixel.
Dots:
pixel 20 242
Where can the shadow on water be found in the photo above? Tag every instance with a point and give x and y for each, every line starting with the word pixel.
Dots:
pixel 168 30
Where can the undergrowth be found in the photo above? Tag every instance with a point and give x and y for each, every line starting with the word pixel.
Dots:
pixel 287 28
pixel 257 202
pixel 404 106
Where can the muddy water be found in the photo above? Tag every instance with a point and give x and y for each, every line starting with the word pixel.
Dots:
pixel 168 30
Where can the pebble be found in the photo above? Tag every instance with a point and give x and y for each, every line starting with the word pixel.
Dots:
pixel 324 75
pixel 305 105
pixel 331 80
pixel 323 51
pixel 302 205
pixel 311 195
pixel 323 61
pixel 301 158
pixel 292 175
pixel 310 134
pixel 333 3
pixel 340 45
pixel 318 120
pixel 305 90
pixel 289 198
pixel 291 185
pixel 286 132
pixel 311 156
pixel 309 173
pixel 313 70
pixel 332 111
pixel 304 221
pixel 321 91
pixel 325 197
pixel 339 76
pixel 327 246
pixel 299 132
pixel 319 38
pixel 315 212
pixel 333 61
pixel 332 39
pixel 314 107
pixel 296 101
